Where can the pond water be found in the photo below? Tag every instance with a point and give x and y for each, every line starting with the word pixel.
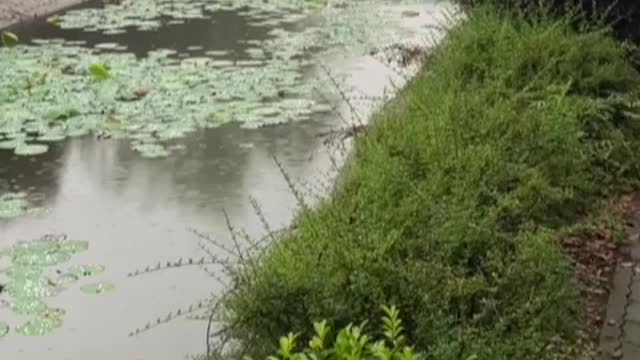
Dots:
pixel 225 31
pixel 134 212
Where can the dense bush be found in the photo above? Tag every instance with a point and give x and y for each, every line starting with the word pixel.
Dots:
pixel 622 15
pixel 453 201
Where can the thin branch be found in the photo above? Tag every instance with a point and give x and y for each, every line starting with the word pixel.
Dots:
pixel 343 95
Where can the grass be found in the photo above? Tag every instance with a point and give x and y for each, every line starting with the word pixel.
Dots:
pixel 452 206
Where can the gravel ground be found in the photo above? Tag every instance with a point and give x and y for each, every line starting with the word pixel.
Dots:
pixel 13 11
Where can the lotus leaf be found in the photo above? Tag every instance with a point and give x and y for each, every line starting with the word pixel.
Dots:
pixel 9 39
pixel 28 284
pixel 44 323
pixel 4 329
pixel 23 149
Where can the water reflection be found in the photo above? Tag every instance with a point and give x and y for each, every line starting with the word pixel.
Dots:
pixel 136 212
pixel 39 175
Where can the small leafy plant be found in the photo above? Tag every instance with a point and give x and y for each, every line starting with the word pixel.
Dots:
pixel 351 343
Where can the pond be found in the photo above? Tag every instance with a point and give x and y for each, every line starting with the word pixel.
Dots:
pixel 233 95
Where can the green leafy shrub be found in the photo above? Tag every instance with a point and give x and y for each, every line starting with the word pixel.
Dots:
pixel 622 15
pixel 451 206
pixel 351 343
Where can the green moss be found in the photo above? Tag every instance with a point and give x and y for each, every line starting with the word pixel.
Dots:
pixel 453 202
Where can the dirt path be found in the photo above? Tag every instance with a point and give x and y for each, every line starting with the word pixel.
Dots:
pixel 13 11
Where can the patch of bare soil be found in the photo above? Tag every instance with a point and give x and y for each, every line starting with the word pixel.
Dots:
pixel 595 254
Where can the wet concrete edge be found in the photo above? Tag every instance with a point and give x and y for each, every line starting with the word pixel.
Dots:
pixel 620 336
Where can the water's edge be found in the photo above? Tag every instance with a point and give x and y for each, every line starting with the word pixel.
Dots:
pixel 13 12
pixel 164 196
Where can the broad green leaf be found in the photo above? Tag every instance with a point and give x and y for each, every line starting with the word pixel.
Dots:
pixel 4 329
pixel 9 39
pixel 54 20
pixel 99 71
pixel 410 13
pixel 27 149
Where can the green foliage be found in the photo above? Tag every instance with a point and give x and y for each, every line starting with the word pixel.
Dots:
pixel 9 39
pixel 622 15
pixel 351 343
pixel 454 199
pixel 54 20
pixel 179 95
pixel 29 281
pixel 99 71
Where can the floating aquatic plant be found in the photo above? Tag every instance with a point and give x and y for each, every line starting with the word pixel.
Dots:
pixel 9 39
pixel 151 14
pixel 4 329
pixel 15 204
pixel 54 20
pixel 43 323
pixel 85 270
pixel 99 71
pixel 97 288
pixel 30 280
pixel 24 149
pixel 50 93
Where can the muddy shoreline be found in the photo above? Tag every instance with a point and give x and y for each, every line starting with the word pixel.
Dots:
pixel 16 11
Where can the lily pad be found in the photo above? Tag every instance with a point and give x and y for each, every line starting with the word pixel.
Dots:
pixel 97 288
pixel 27 306
pixel 107 46
pixel 9 144
pixel 99 71
pixel 52 136
pixel 29 283
pixel 151 150
pixel 410 13
pixel 42 324
pixel 54 20
pixel 13 205
pixel 86 270
pixel 9 39
pixel 179 96
pixel 4 329
pixel 23 149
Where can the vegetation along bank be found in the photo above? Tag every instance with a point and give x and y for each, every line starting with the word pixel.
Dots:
pixel 514 136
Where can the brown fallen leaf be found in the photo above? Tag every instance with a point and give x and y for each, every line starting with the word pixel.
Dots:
pixel 142 92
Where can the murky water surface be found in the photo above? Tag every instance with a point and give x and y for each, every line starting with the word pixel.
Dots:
pixel 135 212
pixel 226 31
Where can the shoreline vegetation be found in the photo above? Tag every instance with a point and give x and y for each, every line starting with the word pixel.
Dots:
pixel 517 134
